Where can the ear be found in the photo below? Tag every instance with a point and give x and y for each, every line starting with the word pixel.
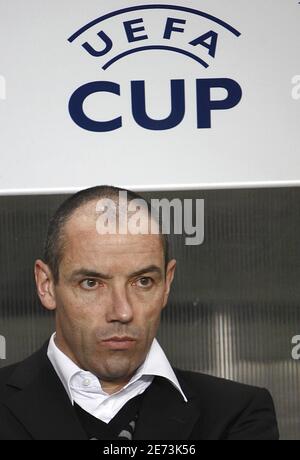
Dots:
pixel 170 272
pixel 44 285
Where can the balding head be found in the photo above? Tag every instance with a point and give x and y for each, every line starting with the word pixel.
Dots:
pixel 86 204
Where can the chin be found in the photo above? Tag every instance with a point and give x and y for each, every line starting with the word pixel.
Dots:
pixel 113 371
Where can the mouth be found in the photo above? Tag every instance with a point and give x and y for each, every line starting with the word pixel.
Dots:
pixel 119 343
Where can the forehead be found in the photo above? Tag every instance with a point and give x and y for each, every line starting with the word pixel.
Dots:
pixel 83 244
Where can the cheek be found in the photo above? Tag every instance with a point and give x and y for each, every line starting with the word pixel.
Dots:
pixel 81 310
pixel 147 315
pixel 150 297
pixel 147 306
pixel 77 300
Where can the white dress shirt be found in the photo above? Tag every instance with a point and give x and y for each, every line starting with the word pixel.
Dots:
pixel 85 389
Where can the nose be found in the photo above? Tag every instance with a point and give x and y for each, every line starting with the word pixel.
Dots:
pixel 119 308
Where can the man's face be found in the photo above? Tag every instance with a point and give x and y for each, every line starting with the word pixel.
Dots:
pixel 110 294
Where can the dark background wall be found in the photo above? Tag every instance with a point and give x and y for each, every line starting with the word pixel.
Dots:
pixel 235 305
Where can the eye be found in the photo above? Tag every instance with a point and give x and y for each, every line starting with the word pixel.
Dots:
pixel 145 282
pixel 89 284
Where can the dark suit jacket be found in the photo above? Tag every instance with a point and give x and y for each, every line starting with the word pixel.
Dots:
pixel 35 405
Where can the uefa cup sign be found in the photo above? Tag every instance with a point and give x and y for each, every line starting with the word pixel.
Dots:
pixel 112 38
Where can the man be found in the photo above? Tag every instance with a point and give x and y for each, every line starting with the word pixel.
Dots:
pixel 103 374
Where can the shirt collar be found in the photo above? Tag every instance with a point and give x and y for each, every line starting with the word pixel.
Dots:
pixel 155 364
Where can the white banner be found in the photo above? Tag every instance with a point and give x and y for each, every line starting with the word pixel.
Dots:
pixel 149 94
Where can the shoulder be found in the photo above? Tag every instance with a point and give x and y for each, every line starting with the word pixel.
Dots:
pixel 219 392
pixel 212 383
pixel 231 410
pixel 21 373
pixel 6 372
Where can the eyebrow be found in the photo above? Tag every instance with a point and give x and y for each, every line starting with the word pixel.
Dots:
pixel 94 274
pixel 88 273
pixel 149 269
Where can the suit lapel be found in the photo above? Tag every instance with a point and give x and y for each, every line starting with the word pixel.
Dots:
pixel 42 405
pixel 164 414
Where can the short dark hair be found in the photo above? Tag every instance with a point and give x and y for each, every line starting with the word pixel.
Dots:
pixel 53 247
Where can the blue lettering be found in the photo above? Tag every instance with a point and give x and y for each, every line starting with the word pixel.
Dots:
pixel 108 45
pixel 170 27
pixel 131 32
pixel 204 103
pixel 177 106
pixel 202 40
pixel 77 101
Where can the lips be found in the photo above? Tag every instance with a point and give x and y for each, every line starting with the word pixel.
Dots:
pixel 119 343
pixel 119 339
